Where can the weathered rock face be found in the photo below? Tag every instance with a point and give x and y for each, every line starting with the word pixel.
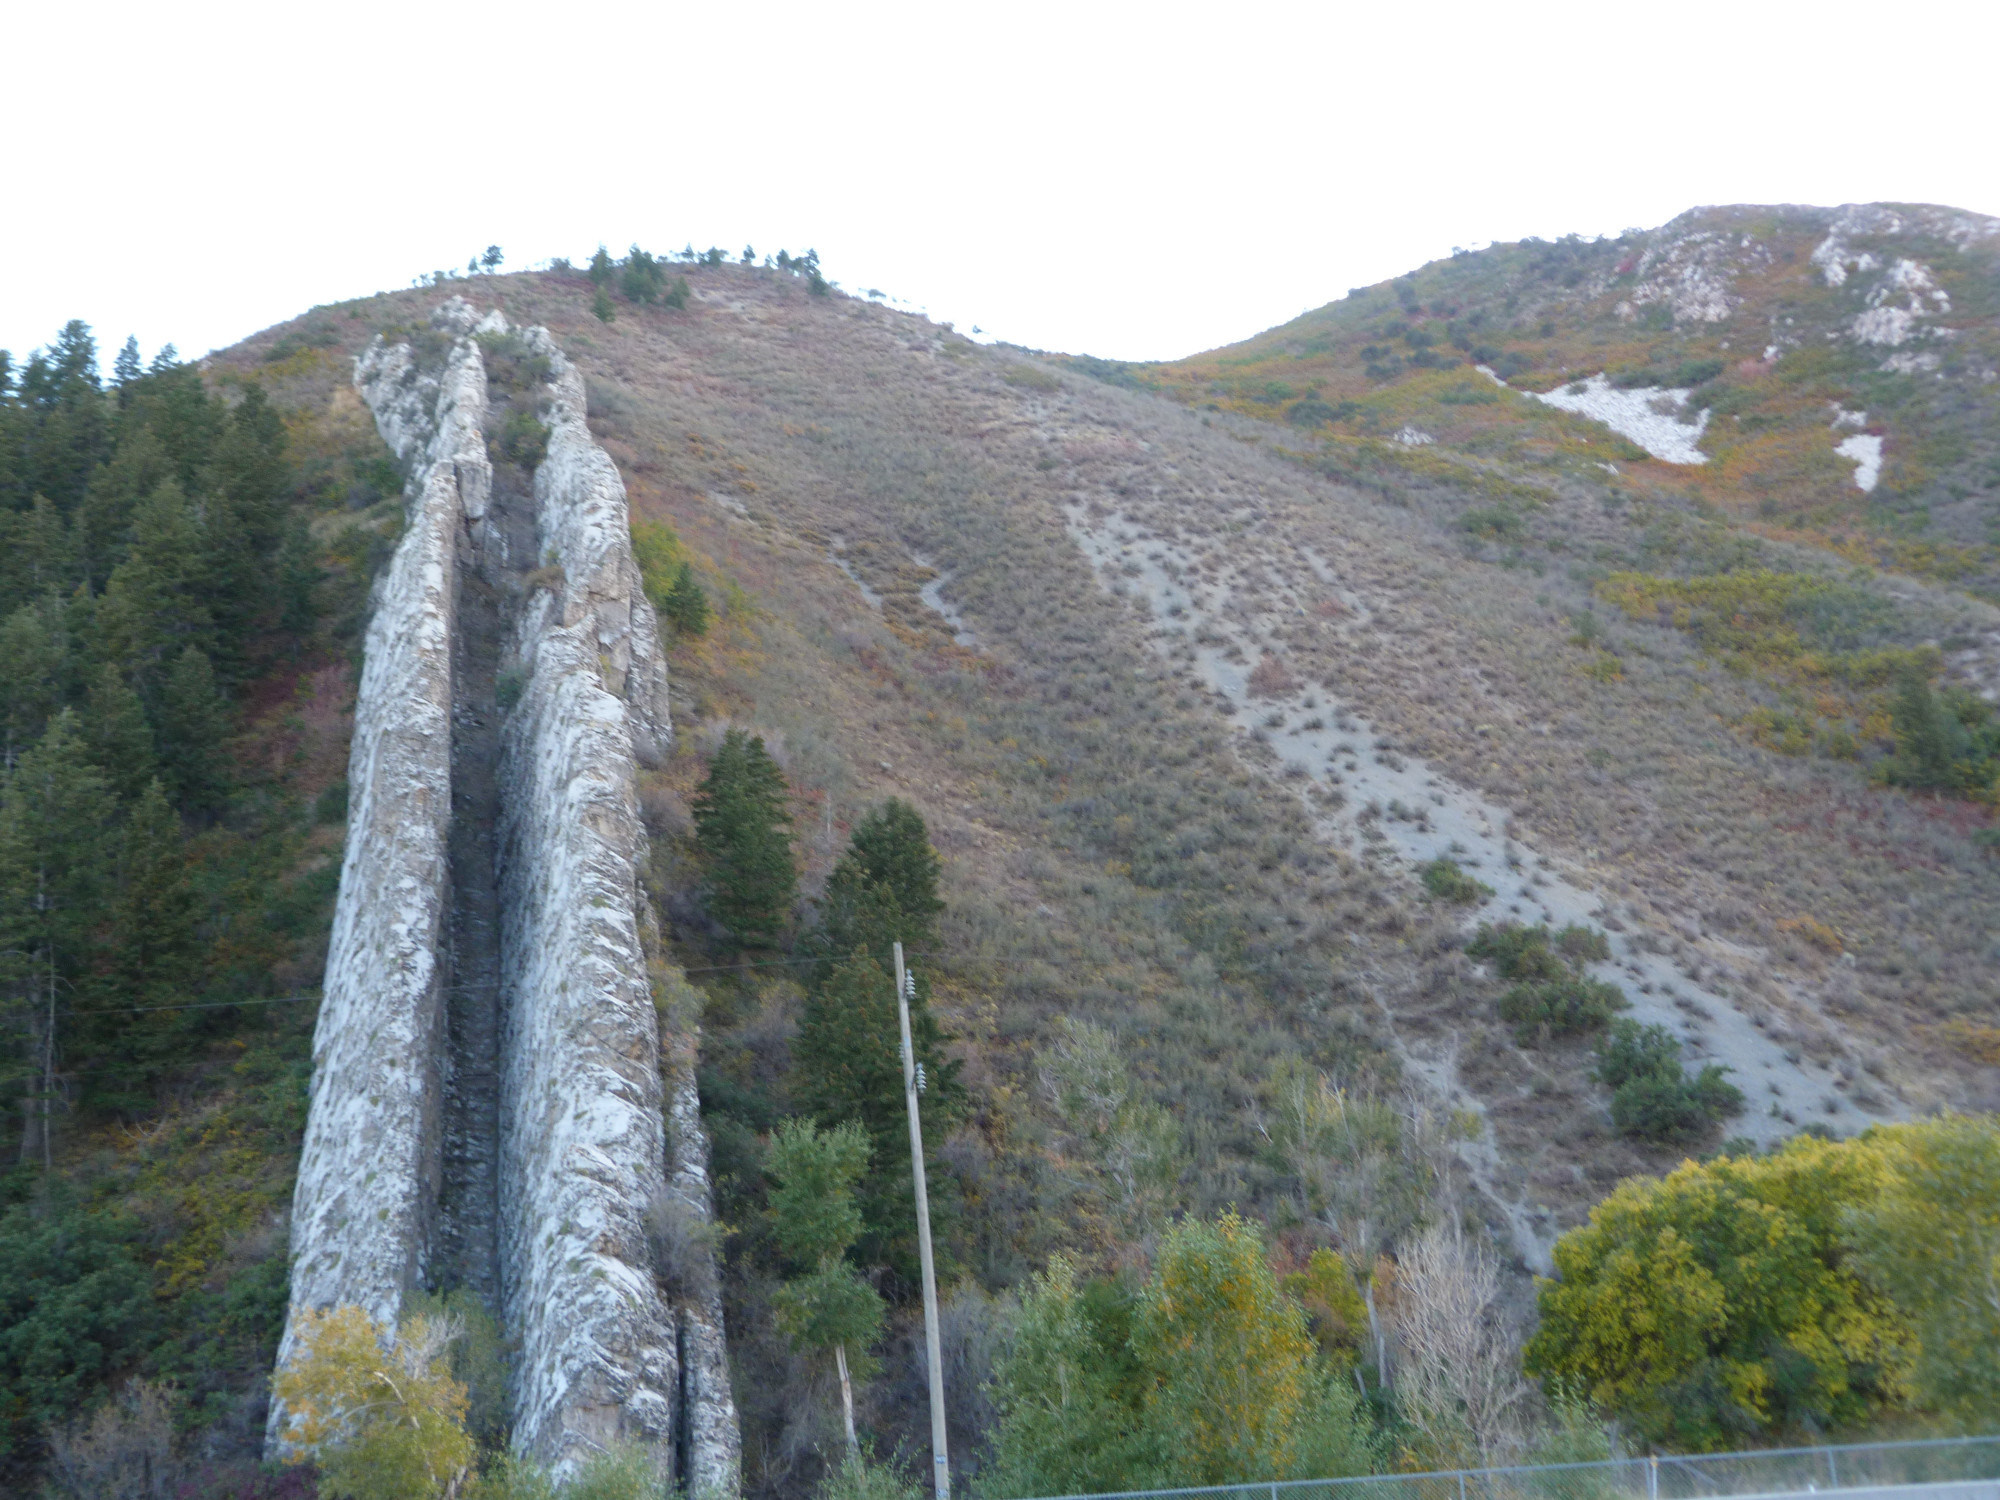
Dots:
pixel 583 1144
pixel 368 1173
pixel 582 1148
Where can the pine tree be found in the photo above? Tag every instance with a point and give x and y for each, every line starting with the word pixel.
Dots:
pixel 53 818
pixel 120 739
pixel 103 522
pixel 153 951
pixel 194 721
pixel 890 848
pixel 847 1067
pixel 34 668
pixel 36 555
pixel 299 578
pixel 155 603
pixel 742 824
pixel 242 525
pixel 601 307
pixel 686 605
pixel 127 367
pixel 602 267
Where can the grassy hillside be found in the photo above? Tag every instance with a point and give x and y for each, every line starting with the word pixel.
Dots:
pixel 889 519
pixel 1223 707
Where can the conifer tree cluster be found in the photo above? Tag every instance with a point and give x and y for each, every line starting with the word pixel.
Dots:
pixel 846 1061
pixel 156 567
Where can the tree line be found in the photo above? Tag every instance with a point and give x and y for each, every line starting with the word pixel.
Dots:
pixel 159 567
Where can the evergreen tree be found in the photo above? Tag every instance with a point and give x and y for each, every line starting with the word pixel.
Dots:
pixel 890 849
pixel 642 278
pixel 742 824
pixel 119 737
pixel 68 428
pixel 156 603
pixel 686 605
pixel 243 524
pixel 601 307
pixel 153 951
pixel 194 721
pixel 601 267
pixel 34 661
pixel 36 555
pixel 847 1067
pixel 299 578
pixel 53 816
pixel 102 524
pixel 127 367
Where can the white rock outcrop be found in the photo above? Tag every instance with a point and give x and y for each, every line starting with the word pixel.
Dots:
pixel 366 1195
pixel 593 1134
pixel 583 1136
pixel 1645 416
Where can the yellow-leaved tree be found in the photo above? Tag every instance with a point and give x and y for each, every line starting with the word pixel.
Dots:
pixel 1931 1240
pixel 1720 1303
pixel 1206 1374
pixel 377 1408
pixel 1236 1388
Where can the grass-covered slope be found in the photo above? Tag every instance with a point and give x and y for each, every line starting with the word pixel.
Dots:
pixel 891 524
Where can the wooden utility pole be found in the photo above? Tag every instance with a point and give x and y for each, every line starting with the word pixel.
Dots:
pixel 912 1084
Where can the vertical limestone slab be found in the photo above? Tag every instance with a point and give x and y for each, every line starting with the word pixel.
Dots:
pixel 367 1186
pixel 583 1146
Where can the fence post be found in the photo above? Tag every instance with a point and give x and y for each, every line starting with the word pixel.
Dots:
pixel 1652 1476
pixel 1461 1484
pixel 1832 1470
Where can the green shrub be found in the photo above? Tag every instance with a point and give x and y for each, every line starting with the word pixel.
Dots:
pixel 1447 882
pixel 524 440
pixel 1551 997
pixel 1583 944
pixel 1563 1007
pixel 1518 952
pixel 1673 1107
pixel 1635 1051
pixel 75 1305
pixel 1499 522
pixel 1652 1096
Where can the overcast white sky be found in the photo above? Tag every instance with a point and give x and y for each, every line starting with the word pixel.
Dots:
pixel 1140 181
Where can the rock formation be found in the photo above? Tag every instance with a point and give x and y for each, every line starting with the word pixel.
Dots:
pixel 489 1105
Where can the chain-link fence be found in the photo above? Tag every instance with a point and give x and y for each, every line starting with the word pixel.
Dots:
pixel 1957 1468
